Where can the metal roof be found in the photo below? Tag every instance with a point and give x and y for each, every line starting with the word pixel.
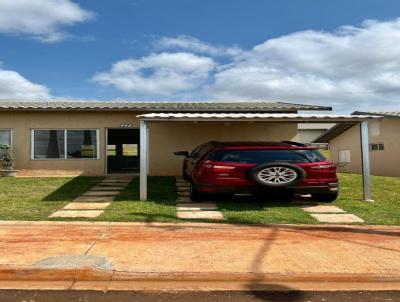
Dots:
pixel 394 114
pixel 315 126
pixel 340 128
pixel 330 134
pixel 292 117
pixel 239 106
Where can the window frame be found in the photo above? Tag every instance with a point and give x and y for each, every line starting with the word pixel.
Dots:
pixel 11 135
pixel 65 144
pixel 378 145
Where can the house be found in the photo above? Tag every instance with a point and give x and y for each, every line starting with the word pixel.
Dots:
pixel 384 144
pixel 97 138
pixel 309 132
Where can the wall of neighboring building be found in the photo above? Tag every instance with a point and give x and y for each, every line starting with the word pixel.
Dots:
pixel 164 139
pixel 385 162
pixel 308 135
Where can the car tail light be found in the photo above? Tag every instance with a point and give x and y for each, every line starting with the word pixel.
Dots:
pixel 324 166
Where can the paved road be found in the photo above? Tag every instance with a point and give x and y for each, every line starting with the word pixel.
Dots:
pixel 231 296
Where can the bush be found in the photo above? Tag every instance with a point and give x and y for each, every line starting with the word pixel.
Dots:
pixel 6 157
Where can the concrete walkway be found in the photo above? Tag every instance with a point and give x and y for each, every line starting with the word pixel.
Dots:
pixel 327 213
pixel 187 209
pixel 100 255
pixel 93 202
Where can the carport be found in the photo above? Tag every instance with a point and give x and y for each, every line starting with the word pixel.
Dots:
pixel 223 118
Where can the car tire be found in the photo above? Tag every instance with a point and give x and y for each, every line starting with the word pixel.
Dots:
pixel 195 195
pixel 263 175
pixel 184 175
pixel 324 197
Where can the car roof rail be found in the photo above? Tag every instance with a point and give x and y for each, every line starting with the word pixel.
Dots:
pixel 295 143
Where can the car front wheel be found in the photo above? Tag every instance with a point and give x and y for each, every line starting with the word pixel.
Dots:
pixel 324 197
pixel 195 195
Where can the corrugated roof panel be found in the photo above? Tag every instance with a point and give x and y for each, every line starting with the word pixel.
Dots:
pixel 216 116
pixel 259 106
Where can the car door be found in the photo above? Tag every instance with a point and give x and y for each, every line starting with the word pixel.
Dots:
pixel 199 156
pixel 190 161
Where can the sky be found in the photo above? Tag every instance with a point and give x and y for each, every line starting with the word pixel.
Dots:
pixel 343 53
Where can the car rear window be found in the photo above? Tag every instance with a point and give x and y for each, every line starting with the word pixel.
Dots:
pixel 267 156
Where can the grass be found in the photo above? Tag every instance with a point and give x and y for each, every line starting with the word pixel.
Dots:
pixel 159 207
pixel 36 198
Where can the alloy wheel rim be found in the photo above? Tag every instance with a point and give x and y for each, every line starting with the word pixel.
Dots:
pixel 277 175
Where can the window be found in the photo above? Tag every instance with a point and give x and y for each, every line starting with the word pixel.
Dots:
pixel 129 149
pixel 344 156
pixel 111 150
pixel 267 156
pixel 64 144
pixel 5 137
pixel 374 128
pixel 376 147
pixel 81 144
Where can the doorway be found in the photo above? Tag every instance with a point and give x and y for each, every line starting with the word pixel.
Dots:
pixel 123 151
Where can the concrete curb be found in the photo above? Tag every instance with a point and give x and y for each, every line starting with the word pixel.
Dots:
pixel 92 274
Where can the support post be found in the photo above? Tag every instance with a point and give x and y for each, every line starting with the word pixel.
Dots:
pixel 144 154
pixel 366 169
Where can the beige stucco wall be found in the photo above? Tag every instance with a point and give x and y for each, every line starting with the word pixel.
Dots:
pixel 386 162
pixel 164 138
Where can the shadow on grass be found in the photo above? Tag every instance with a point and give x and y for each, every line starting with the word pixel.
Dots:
pixel 73 188
pixel 161 190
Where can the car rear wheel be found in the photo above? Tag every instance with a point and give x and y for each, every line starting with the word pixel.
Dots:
pixel 277 175
pixel 324 197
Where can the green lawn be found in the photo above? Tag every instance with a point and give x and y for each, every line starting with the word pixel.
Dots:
pixel 36 198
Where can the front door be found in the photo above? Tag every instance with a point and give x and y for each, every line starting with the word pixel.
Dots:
pixel 123 151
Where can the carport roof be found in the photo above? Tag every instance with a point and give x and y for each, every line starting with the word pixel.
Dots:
pixel 282 117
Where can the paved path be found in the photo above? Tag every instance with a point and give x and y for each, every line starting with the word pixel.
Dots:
pixel 187 209
pixel 327 213
pixel 93 202
pixel 209 255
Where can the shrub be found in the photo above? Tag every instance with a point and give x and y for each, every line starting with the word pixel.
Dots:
pixel 6 157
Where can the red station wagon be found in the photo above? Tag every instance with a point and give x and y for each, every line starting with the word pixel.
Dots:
pixel 259 167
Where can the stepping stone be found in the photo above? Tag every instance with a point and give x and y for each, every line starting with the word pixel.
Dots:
pixel 213 215
pixel 322 209
pixel 105 188
pixel 86 206
pixel 183 185
pixel 182 189
pixel 184 200
pixel 119 177
pixel 184 194
pixel 121 181
pixel 101 193
pixel 94 198
pixel 111 184
pixel 77 213
pixel 337 218
pixel 196 206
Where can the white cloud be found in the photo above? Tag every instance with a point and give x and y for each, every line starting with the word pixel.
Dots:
pixel 41 19
pixel 355 67
pixel 162 74
pixel 15 86
pixel 188 43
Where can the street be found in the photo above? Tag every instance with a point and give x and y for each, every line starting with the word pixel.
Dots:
pixel 197 296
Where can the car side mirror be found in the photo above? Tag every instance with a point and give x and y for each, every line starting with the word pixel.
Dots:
pixel 182 153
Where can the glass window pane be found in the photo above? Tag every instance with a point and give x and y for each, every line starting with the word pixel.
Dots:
pixel 130 150
pixel 111 150
pixel 48 144
pixel 81 144
pixel 5 137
